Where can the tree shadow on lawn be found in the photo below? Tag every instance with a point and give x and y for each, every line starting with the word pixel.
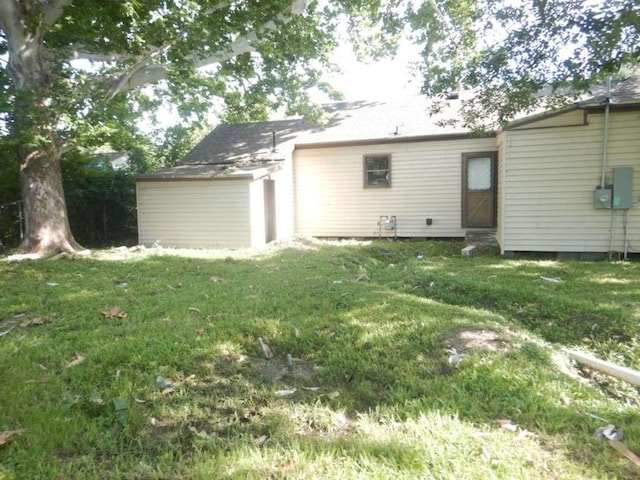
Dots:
pixel 370 360
pixel 378 341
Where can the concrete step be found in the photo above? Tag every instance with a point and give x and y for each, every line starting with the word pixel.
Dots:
pixel 481 238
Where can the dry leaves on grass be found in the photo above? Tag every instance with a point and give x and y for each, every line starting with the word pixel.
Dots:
pixel 7 434
pixel 115 312
pixel 32 321
pixel 77 360
pixel 215 279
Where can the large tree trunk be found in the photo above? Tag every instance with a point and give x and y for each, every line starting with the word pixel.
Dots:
pixel 34 125
pixel 47 225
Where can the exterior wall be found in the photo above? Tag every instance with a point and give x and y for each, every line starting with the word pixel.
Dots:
pixel 284 201
pixel 331 201
pixel 502 154
pixel 569 119
pixel 256 212
pixel 199 214
pixel 548 182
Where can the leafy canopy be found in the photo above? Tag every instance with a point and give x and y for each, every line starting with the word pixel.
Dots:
pixel 108 60
pixel 511 49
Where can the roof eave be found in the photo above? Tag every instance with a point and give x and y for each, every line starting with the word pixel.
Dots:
pixel 391 140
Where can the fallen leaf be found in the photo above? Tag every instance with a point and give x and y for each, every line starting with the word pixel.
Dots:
pixel 624 450
pixel 193 309
pixel 168 390
pixel 32 321
pixel 524 434
pixel 157 423
pixel 362 278
pixel 4 436
pixel 215 279
pixel 77 360
pixel 115 312
pixel 2 334
pixel 260 440
pixel 200 433
pixel 199 331
pixel 266 351
pixel 333 394
pixel 288 465
pixel 286 392
pixel 551 279
pixel 507 425
pixel 53 284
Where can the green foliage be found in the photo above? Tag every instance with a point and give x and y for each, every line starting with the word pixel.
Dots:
pixel 101 201
pixel 9 194
pixel 511 51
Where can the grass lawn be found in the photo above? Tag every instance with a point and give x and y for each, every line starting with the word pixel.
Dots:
pixel 151 367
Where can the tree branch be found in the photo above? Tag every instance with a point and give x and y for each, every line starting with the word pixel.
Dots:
pixel 10 22
pixel 79 54
pixel 144 74
pixel 51 11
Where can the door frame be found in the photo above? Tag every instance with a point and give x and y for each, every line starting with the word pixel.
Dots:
pixel 493 155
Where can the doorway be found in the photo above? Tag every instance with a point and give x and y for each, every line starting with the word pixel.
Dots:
pixel 479 175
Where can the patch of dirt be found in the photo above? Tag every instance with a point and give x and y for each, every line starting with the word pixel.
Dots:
pixel 275 370
pixel 471 339
pixel 592 319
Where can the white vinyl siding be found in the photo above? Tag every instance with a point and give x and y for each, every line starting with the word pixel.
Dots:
pixel 284 201
pixel 549 178
pixel 331 200
pixel 501 207
pixel 568 119
pixel 200 214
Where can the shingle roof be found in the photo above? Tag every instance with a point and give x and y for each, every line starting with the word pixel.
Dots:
pixel 627 91
pixel 231 149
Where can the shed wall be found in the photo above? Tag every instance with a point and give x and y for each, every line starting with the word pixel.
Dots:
pixel 549 178
pixel 198 214
pixel 331 200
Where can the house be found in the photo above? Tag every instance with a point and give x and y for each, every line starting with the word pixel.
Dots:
pixel 569 181
pixel 390 169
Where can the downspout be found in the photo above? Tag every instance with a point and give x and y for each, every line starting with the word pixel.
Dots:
pixel 605 141
pixel 613 212
pixel 605 149
pixel 626 235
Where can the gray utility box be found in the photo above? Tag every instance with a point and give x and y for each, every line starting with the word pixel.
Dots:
pixel 602 197
pixel 622 188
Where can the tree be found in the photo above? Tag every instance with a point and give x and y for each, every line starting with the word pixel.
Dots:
pixel 74 65
pixel 512 51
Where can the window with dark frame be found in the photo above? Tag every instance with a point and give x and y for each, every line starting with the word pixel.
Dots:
pixel 377 171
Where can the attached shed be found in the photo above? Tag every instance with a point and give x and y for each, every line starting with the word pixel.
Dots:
pixel 234 189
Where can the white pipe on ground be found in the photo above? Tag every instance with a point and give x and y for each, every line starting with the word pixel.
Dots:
pixel 623 373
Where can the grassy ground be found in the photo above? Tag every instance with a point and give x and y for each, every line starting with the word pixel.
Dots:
pixel 173 384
